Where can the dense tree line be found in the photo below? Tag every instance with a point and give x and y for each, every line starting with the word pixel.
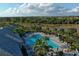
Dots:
pixel 46 20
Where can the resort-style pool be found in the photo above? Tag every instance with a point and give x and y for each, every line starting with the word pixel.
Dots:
pixel 30 41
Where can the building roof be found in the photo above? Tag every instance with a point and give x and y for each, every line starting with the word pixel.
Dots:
pixel 9 42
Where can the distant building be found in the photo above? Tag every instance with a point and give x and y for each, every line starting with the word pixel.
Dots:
pixel 9 43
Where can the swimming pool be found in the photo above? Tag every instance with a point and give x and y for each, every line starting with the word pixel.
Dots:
pixel 30 41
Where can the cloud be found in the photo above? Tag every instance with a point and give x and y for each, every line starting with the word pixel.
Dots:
pixel 35 8
pixel 73 10
pixel 39 9
pixel 31 9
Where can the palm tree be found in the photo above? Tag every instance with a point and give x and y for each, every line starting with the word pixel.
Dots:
pixel 41 47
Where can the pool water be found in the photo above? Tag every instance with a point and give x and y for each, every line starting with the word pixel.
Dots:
pixel 30 41
pixel 52 43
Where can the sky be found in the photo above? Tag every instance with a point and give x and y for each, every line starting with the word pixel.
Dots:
pixel 38 9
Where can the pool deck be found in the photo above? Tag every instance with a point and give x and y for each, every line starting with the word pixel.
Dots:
pixel 54 39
